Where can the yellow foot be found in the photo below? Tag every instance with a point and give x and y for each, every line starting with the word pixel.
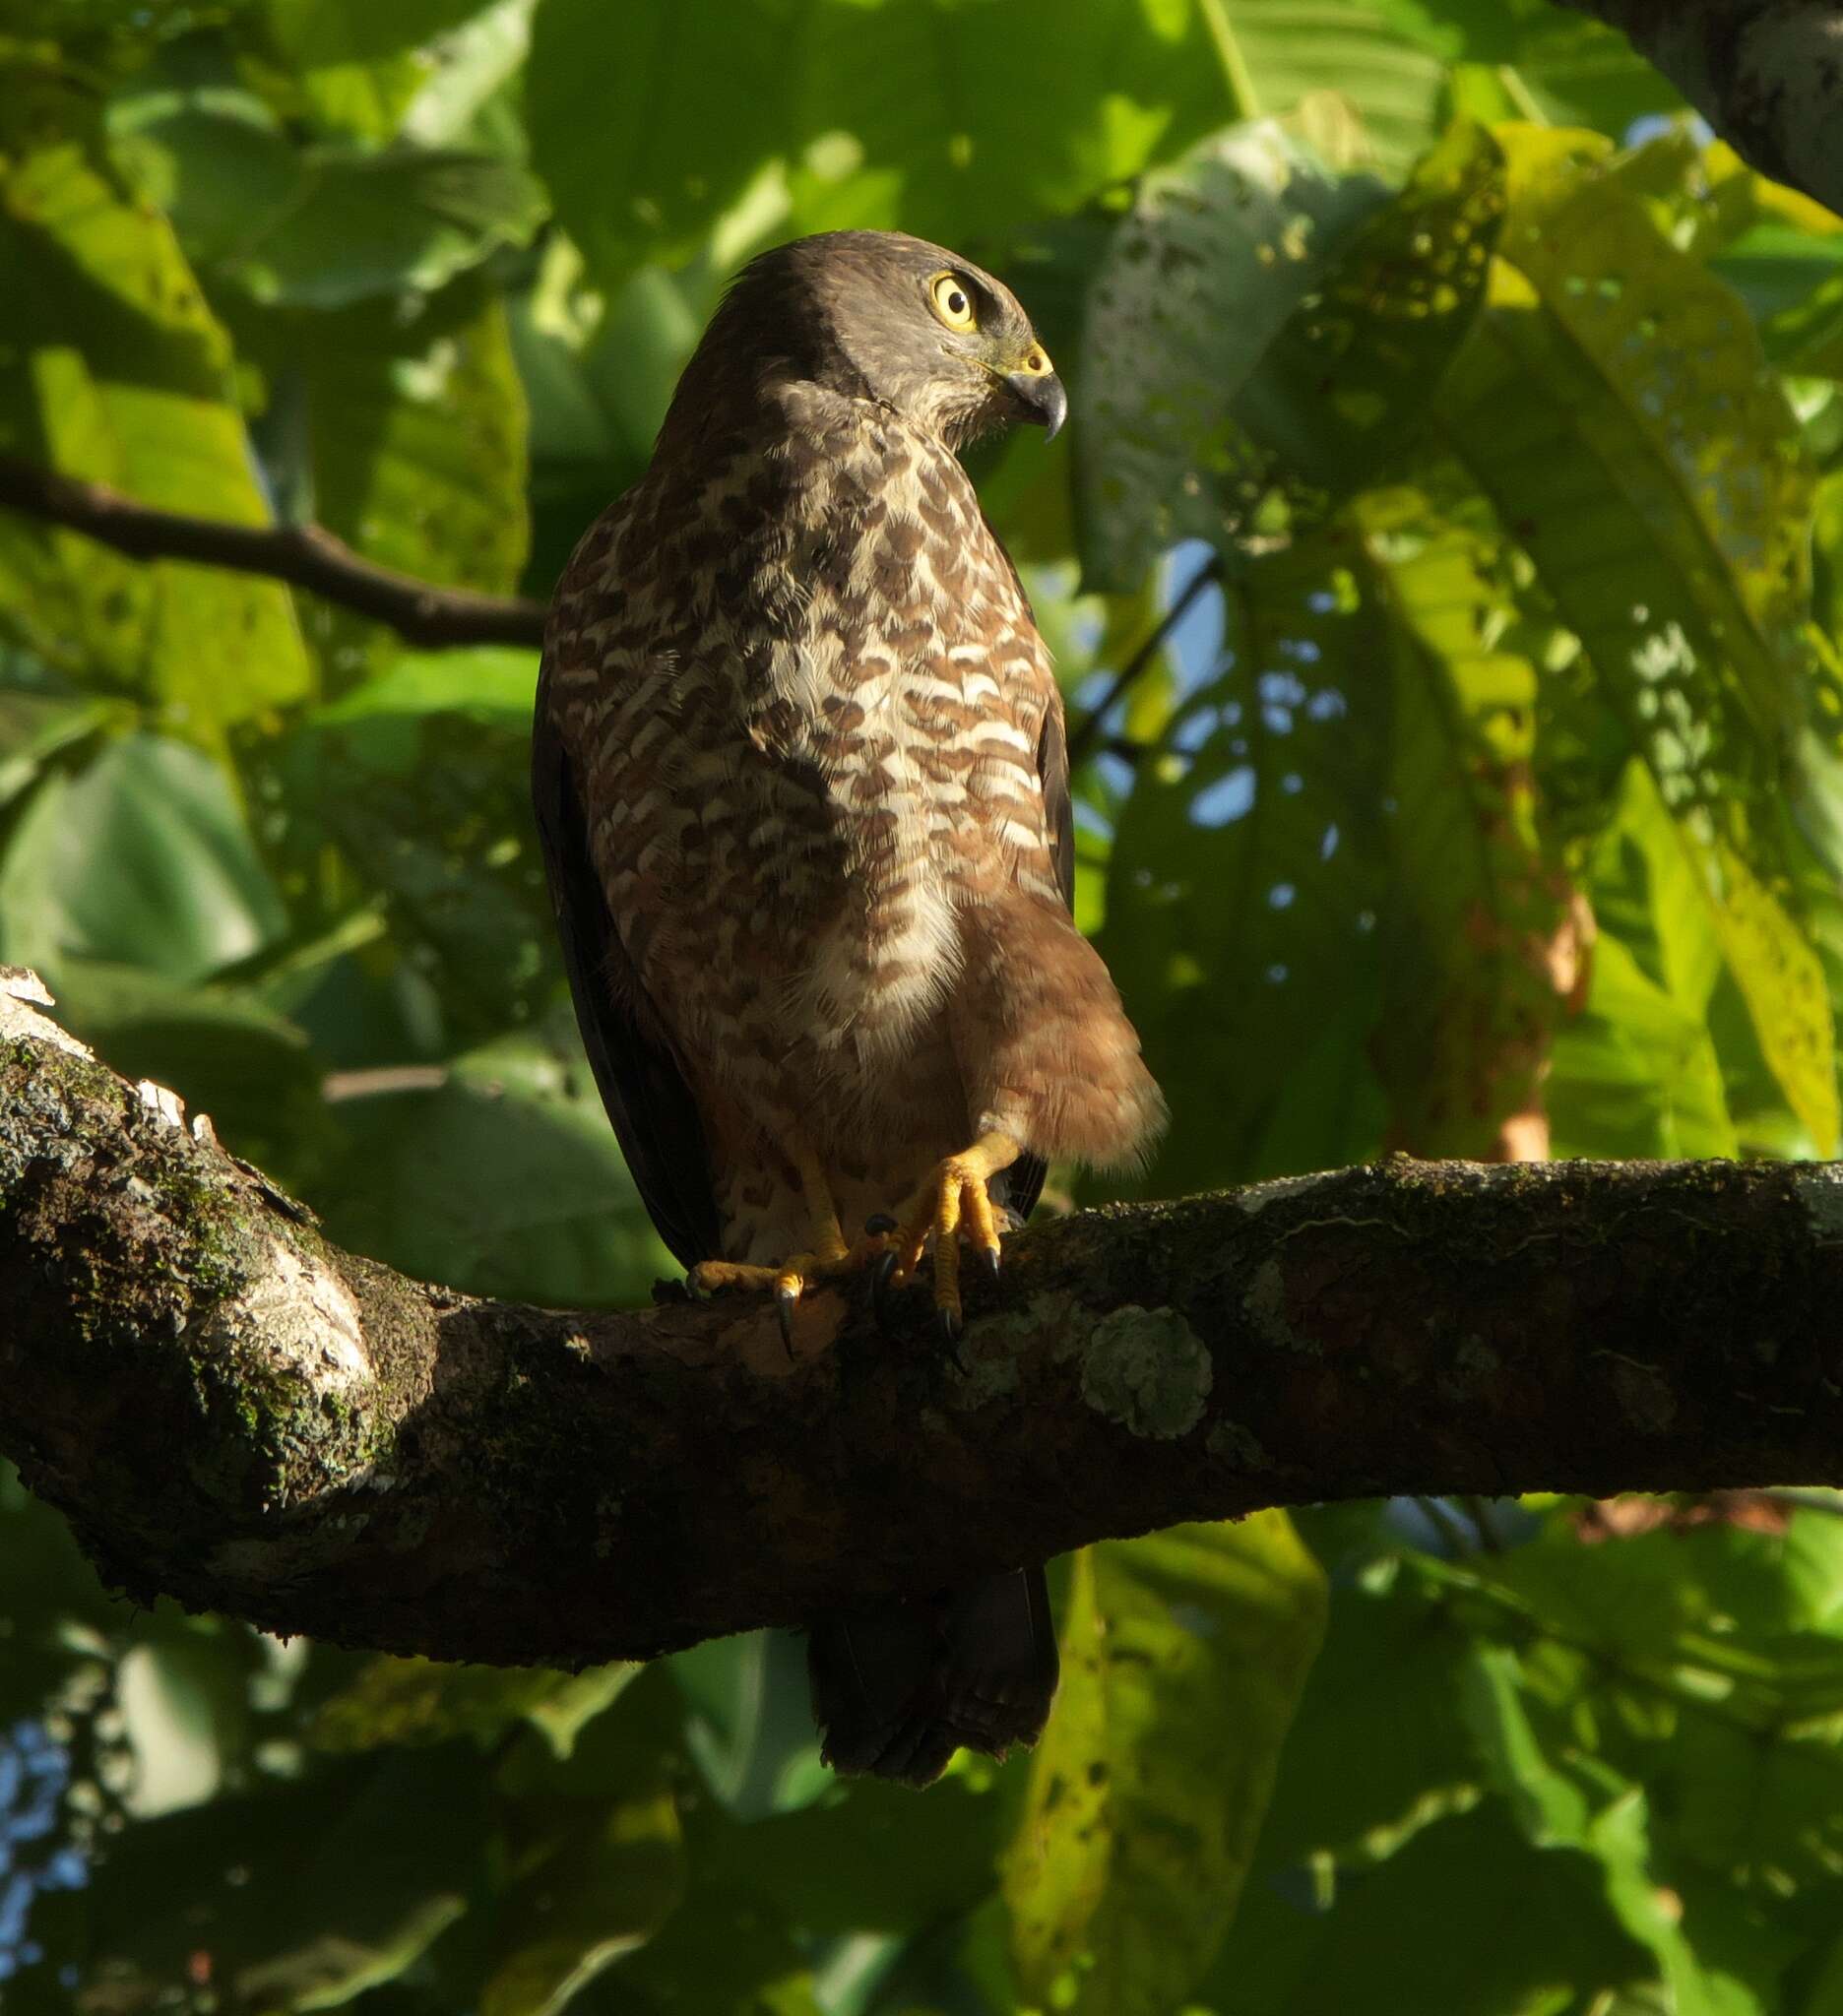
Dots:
pixel 954 1204
pixel 793 1276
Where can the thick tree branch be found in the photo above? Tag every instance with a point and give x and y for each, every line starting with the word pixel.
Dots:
pixel 233 1411
pixel 303 555
pixel 1766 74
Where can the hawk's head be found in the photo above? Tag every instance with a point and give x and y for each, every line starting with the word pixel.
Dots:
pixel 881 316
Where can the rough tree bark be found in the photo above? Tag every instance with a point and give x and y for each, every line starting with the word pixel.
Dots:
pixel 1766 74
pixel 234 1413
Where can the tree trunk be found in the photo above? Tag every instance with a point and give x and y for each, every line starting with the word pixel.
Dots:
pixel 1766 74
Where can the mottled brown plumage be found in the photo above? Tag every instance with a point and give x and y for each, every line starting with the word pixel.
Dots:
pixel 800 772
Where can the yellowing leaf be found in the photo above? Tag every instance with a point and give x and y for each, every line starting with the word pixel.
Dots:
pixel 1185 1655
pixel 115 370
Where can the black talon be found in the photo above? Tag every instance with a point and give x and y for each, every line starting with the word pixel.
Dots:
pixel 947 1330
pixel 786 1301
pixel 878 1223
pixel 988 1263
pixel 880 1294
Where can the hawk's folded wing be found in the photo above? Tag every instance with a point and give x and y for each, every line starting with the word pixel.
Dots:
pixel 655 1117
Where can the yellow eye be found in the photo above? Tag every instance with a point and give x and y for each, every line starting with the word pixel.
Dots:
pixel 952 301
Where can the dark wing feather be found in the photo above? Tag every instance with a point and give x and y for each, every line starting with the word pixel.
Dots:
pixel 656 1120
pixel 1025 1178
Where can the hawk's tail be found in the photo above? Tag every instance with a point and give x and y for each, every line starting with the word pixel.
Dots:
pixel 899 1686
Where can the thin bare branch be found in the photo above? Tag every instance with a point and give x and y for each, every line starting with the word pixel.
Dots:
pixel 303 555
pixel 1082 737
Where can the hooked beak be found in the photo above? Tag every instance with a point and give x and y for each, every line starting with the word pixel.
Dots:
pixel 1041 394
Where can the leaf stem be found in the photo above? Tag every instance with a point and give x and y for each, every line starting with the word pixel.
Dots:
pixel 1237 80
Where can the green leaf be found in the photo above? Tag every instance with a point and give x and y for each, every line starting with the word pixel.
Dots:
pixel 1467 1920
pixel 1478 948
pixel 1635 1074
pixel 1560 1808
pixel 1183 1659
pixel 751 1724
pixel 364 225
pixel 419 780
pixel 488 687
pixel 34 727
pixel 115 370
pixel 143 857
pixel 1247 878
pixel 1613 405
pixel 1386 1687
pixel 504 1179
pixel 424 1701
pixel 206 151
pixel 1529 60
pixel 408 435
pixel 1364 91
pixel 359 66
pixel 602 1888
pixel 220 1048
pixel 303 1894
pixel 650 123
pixel 1584 73
pixel 599 374
pixel 868 1858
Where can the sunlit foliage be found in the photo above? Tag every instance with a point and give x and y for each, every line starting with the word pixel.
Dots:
pixel 1484 799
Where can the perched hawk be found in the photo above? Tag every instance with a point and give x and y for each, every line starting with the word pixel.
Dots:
pixel 802 786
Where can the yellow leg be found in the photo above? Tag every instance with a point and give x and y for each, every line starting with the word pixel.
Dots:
pixel 954 1203
pixel 826 1255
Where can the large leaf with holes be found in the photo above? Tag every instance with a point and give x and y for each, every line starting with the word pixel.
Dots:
pixel 115 370
pixel 1184 1657
pixel 1216 255
pixel 1614 405
pixel 1294 333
